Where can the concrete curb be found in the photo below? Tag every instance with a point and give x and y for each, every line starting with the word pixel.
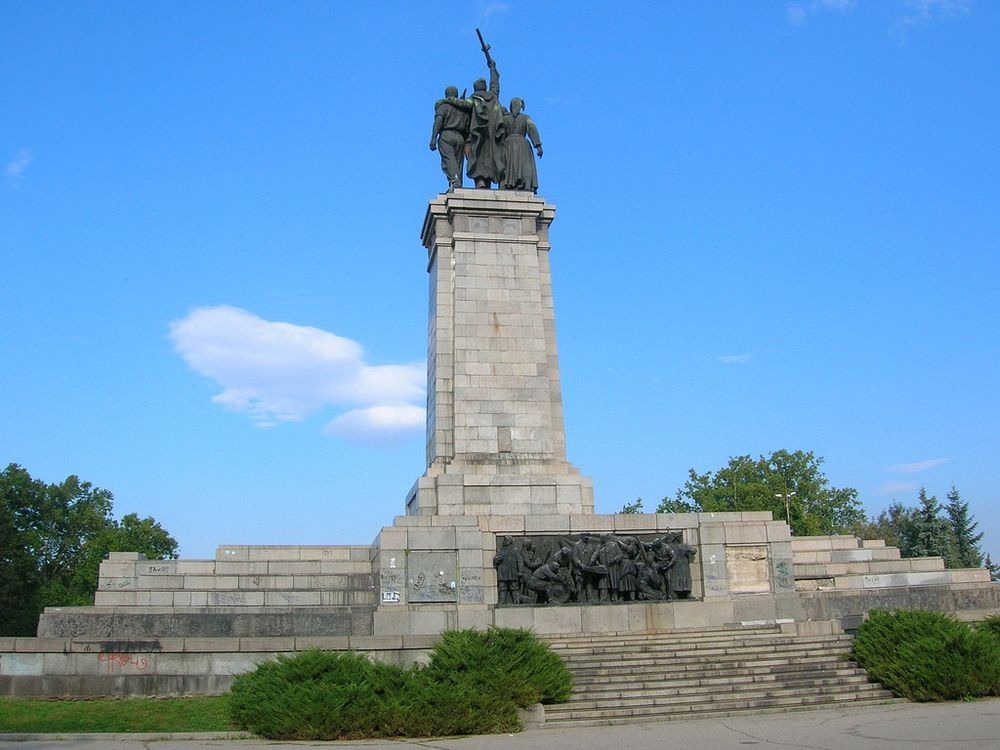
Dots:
pixel 124 736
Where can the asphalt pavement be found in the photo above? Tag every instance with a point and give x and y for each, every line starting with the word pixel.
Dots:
pixel 973 725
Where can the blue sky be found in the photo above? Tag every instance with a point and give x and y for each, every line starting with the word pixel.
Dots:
pixel 777 227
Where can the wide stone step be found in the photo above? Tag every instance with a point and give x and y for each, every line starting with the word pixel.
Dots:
pixel 650 644
pixel 675 685
pixel 705 706
pixel 709 652
pixel 673 636
pixel 683 693
pixel 702 703
pixel 688 662
pixel 591 718
pixel 666 644
pixel 710 678
pixel 648 681
pixel 674 633
pixel 704 648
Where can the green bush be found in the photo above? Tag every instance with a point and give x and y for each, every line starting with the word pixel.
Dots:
pixel 474 685
pixel 928 656
pixel 317 695
pixel 990 625
pixel 512 663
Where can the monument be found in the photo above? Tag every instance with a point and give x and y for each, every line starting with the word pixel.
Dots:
pixel 496 444
pixel 500 529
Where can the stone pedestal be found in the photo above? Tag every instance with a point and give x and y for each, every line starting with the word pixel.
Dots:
pixel 495 438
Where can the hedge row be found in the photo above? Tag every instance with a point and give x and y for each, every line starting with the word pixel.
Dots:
pixel 930 656
pixel 474 684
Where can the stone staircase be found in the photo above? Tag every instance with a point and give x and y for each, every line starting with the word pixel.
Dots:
pixel 246 592
pixel 623 677
pixel 844 562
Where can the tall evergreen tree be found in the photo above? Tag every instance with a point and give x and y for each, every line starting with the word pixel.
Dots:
pixel 964 539
pixel 993 567
pixel 895 525
pixel 930 533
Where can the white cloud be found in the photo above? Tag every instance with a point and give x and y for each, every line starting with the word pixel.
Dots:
pixel 378 425
pixel 278 372
pixel 492 8
pixel 896 488
pixel 917 466
pixel 16 166
pixel 919 11
pixel 735 359
pixel 797 12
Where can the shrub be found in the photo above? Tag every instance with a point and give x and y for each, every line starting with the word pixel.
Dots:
pixel 990 625
pixel 444 709
pixel 928 656
pixel 510 662
pixel 321 695
pixel 474 685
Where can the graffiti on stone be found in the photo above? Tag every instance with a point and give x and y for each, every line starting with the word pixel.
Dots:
pixel 391 579
pixel 121 662
pixel 783 578
pixel 431 576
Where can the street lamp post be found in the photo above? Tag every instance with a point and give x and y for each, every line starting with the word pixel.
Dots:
pixel 787 497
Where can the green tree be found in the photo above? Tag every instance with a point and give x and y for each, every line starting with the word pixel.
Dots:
pixel 965 549
pixel 895 525
pixel 747 484
pixel 676 504
pixel 929 536
pixel 18 573
pixel 930 530
pixel 131 534
pixel 633 507
pixel 52 540
pixel 993 567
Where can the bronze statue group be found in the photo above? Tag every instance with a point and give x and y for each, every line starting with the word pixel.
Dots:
pixel 493 138
pixel 592 569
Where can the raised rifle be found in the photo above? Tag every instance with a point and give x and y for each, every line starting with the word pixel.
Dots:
pixel 486 48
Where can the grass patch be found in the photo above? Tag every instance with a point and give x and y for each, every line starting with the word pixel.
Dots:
pixel 929 656
pixel 197 714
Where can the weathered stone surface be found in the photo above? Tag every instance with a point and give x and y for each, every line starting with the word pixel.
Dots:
pixel 432 576
pixel 494 405
pixel 55 624
pixel 748 570
pixel 271 621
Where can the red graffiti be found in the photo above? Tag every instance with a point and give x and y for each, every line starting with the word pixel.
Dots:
pixel 141 663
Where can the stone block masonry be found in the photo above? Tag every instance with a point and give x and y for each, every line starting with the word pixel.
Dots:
pixel 247 591
pixel 496 443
